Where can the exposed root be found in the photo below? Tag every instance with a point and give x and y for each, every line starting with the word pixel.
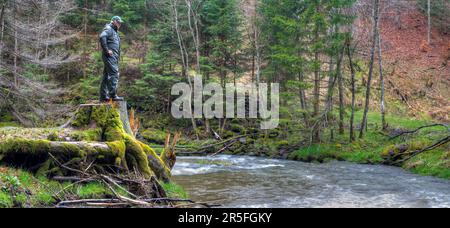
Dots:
pixel 97 137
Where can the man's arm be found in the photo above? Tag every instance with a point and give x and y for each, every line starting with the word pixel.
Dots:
pixel 104 40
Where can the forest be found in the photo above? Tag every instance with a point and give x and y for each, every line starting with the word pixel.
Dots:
pixel 360 81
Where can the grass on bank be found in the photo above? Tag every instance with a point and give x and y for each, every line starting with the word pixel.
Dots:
pixel 370 149
pixel 22 189
pixel 174 190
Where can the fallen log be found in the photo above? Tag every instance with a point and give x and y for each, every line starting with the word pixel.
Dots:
pixel 119 203
pixel 214 148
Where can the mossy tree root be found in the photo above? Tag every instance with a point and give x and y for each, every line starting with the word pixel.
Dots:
pixel 117 148
pixel 36 154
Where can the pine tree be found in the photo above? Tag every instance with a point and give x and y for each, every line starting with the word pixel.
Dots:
pixel 221 35
pixel 298 37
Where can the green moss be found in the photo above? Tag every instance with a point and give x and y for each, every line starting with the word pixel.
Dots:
pixel 154 136
pixel 53 137
pixel 390 151
pixel 395 152
pixel 119 149
pixel 156 163
pixel 134 149
pixel 174 191
pixel 24 146
pixel 238 128
pixel 68 148
pixel 108 118
pixel 82 118
pixel 90 135
pixel 282 143
pixel 101 114
pixel 114 134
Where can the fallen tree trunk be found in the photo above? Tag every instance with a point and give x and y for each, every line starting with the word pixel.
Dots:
pixel 410 155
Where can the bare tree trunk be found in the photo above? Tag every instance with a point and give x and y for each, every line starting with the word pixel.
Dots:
pixel 85 20
pixel 253 63
pixel 352 71
pixel 184 57
pixel 144 44
pixel 372 59
pixel 194 33
pixel 329 103
pixel 303 99
pixel 47 49
pixel 39 35
pixel 429 21
pixel 253 36
pixel 316 110
pixel 16 48
pixel 382 100
pixel 341 92
pixel 258 63
pixel 194 29
pixel 2 23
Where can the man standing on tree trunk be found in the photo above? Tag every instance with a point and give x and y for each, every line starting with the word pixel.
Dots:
pixel 110 42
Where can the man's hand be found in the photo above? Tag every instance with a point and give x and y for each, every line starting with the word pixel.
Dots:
pixel 110 53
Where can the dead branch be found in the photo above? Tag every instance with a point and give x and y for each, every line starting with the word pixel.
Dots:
pixel 412 154
pixel 224 148
pixel 418 129
pixel 113 182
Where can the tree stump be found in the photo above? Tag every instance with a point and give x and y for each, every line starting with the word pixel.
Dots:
pixel 124 117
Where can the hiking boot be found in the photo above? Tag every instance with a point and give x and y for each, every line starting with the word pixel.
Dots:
pixel 117 98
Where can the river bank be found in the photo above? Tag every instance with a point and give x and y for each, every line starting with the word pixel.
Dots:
pixel 376 147
pixel 290 142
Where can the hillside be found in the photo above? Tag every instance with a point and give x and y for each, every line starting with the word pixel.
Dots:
pixel 417 74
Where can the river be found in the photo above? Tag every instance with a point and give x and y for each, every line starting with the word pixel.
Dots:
pixel 242 181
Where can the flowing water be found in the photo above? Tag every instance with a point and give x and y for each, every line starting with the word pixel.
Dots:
pixel 241 181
